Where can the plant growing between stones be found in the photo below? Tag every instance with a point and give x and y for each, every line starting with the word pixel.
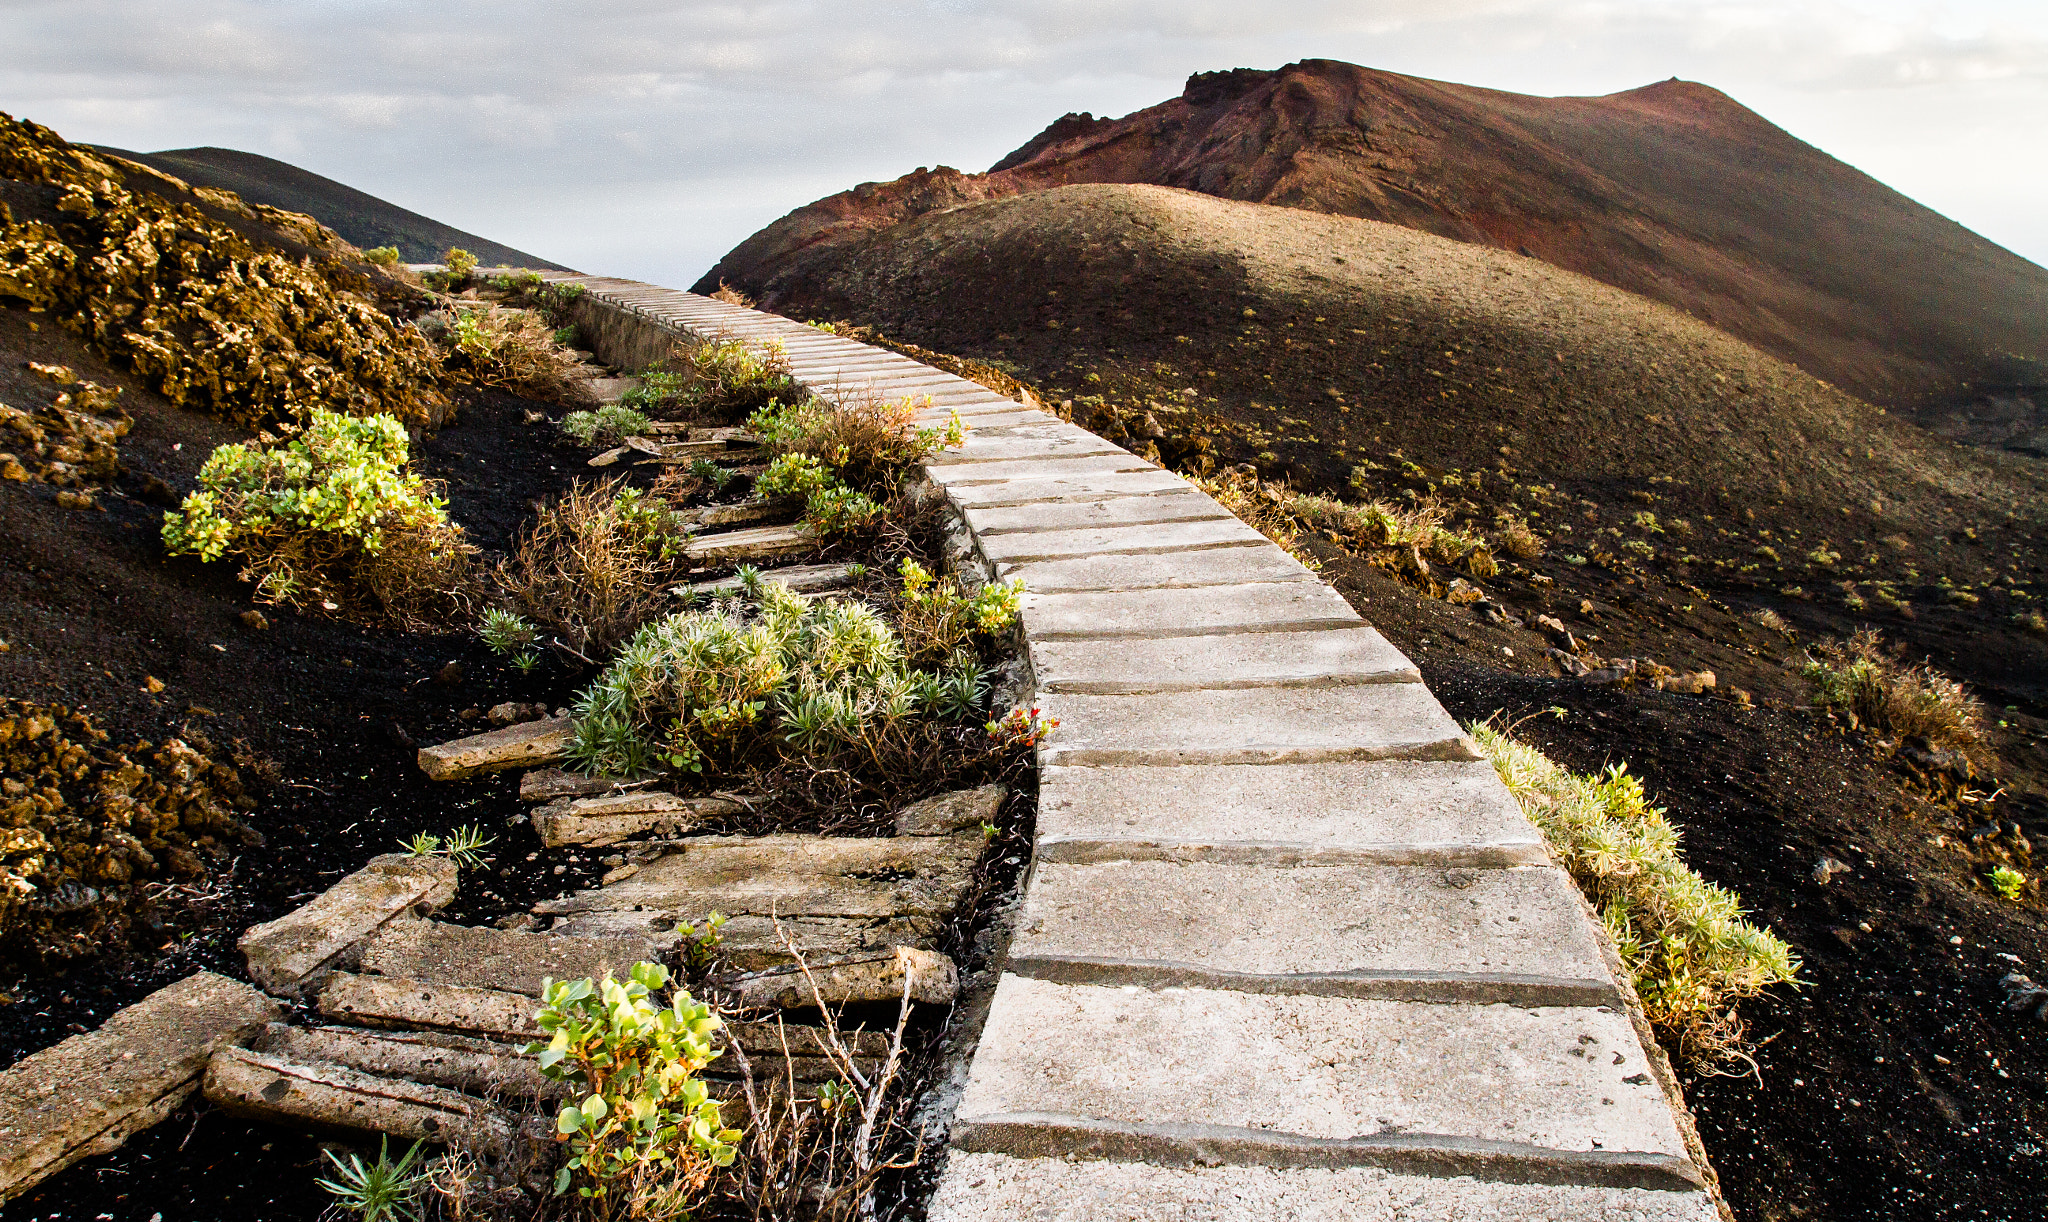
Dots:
pixel 383 1190
pixel 464 846
pixel 505 632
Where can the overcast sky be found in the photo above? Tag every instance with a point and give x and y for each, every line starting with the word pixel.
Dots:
pixel 644 138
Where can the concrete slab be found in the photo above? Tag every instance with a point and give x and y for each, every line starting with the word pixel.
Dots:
pixel 1213 566
pixel 999 1188
pixel 94 1091
pixel 1281 606
pixel 1392 811
pixel 1331 657
pixel 1413 933
pixel 1055 486
pixel 998 421
pixel 993 447
pixel 1142 1064
pixel 444 953
pixel 1153 538
pixel 1035 470
pixel 287 954
pixel 1180 504
pixel 1254 726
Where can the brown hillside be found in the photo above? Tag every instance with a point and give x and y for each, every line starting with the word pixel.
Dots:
pixel 1673 191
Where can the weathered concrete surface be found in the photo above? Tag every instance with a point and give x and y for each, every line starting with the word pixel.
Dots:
pixel 1221 566
pixel 1551 1078
pixel 613 817
pixel 1193 535
pixel 754 542
pixel 1181 504
pixel 873 976
pixel 1388 811
pixel 287 954
pixel 547 784
pixel 999 1188
pixel 963 810
pixel 1058 441
pixel 1255 726
pixel 1337 657
pixel 801 578
pixel 402 1004
pixel 1413 932
pixel 94 1091
pixel 520 746
pixel 484 958
pixel 1058 486
pixel 479 1067
pixel 1022 474
pixel 1282 606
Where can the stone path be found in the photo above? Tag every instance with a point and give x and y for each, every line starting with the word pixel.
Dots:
pixel 1288 949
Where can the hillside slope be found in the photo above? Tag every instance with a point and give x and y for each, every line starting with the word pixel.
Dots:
pixel 1673 191
pixel 357 216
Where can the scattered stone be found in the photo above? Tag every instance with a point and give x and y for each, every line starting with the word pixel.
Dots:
pixel 1826 868
pixel 547 784
pixel 522 745
pixel 751 543
pixel 1570 664
pixel 512 713
pixel 959 811
pixel 451 674
pixel 1462 592
pixel 94 1091
pixel 285 955
pixel 607 820
pixel 610 456
pixel 2022 993
pixel 775 509
pixel 1689 683
pixel 152 684
pixel 254 619
pixel 850 979
pixel 1558 633
pixel 1494 613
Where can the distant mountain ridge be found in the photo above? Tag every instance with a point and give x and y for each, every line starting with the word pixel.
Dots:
pixel 359 217
pixel 1673 191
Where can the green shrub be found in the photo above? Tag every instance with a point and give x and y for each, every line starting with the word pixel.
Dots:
pixel 1685 942
pixel 868 445
pixel 382 256
pixel 334 519
pixel 1876 691
pixel 460 263
pixel 938 619
pixel 709 688
pixel 381 1191
pixel 646 1137
pixel 608 425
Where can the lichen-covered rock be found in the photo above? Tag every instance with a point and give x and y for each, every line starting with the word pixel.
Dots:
pixel 84 825
pixel 215 321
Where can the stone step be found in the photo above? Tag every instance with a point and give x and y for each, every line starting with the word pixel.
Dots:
pixel 1228 564
pixel 1408 933
pixel 548 784
pixel 287 956
pixel 1062 486
pixel 1200 536
pixel 999 1188
pixel 93 1091
pixel 773 510
pixel 439 952
pixel 463 1063
pixel 1115 666
pixel 800 578
pixel 1255 726
pixel 1386 812
pixel 1187 1074
pixel 752 543
pixel 862 977
pixel 1059 441
pixel 1280 606
pixel 611 818
pixel 977 415
pixel 516 746
pixel 1022 472
pixel 403 1004
pixel 1176 505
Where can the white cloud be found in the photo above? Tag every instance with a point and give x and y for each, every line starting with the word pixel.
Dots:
pixel 678 128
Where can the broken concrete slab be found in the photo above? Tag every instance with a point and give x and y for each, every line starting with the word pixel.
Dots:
pixel 92 1092
pixel 1198 535
pixel 874 976
pixel 613 817
pixel 979 1187
pixel 1385 811
pixel 1255 726
pixel 768 510
pixel 775 1039
pixel 1340 1072
pixel 1221 566
pixel 752 543
pixel 1416 933
pixel 287 955
pixel 1280 606
pixel 960 811
pixel 403 1004
pixel 484 958
pixel 519 746
pixel 548 784
pixel 1333 658
pixel 437 1058
pixel 800 578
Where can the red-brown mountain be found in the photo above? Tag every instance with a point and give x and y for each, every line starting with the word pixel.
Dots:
pixel 1673 191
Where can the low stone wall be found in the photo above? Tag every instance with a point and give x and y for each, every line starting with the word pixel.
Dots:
pixel 1287 947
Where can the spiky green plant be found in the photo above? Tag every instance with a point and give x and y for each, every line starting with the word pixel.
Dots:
pixel 380 1191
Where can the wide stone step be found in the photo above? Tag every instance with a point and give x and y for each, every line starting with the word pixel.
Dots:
pixel 800 578
pixel 1055 486
pixel 1177 505
pixel 1185 1074
pixel 1255 726
pixel 1020 474
pixel 287 955
pixel 1056 441
pixel 1345 656
pixel 1381 812
pixel 999 1188
pixel 478 957
pixel 1281 606
pixel 1235 563
pixel 1413 933
pixel 772 510
pixel 402 1004
pixel 481 1067
pixel 752 543
pixel 1200 535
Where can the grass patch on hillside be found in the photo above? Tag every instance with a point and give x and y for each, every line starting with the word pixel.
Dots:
pixel 1685 942
pixel 1878 692
pixel 1407 542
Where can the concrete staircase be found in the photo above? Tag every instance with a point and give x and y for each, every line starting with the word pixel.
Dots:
pixel 1288 949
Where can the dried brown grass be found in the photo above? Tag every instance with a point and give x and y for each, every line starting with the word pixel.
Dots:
pixel 588 571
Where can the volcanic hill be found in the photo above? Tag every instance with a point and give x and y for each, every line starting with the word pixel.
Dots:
pixel 358 216
pixel 1672 191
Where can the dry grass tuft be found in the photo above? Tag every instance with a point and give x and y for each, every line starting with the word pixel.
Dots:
pixel 594 565
pixel 1404 542
pixel 1876 691
pixel 1684 941
pixel 511 350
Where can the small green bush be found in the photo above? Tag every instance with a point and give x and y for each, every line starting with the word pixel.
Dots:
pixel 382 256
pixel 460 263
pixel 2007 881
pixel 1685 942
pixel 938 619
pixel 867 445
pixel 334 519
pixel 1875 690
pixel 608 425
pixel 647 1131
pixel 380 1191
